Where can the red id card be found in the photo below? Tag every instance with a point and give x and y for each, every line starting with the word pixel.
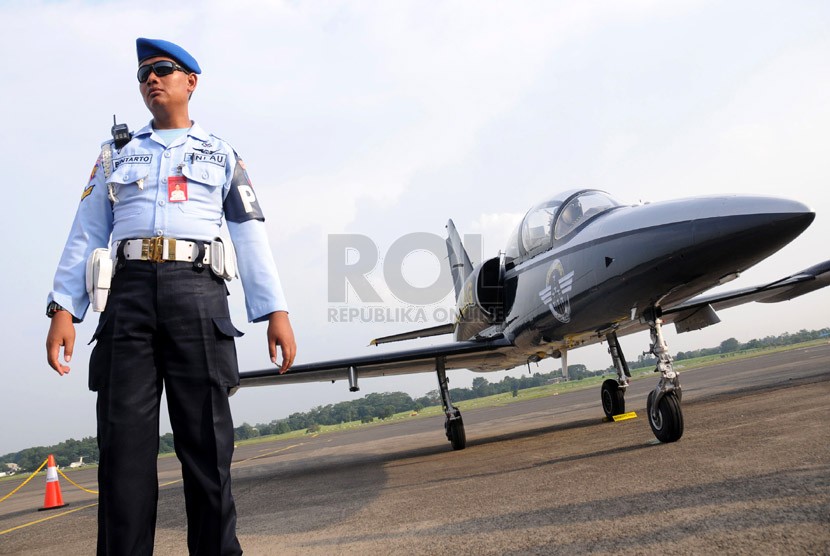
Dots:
pixel 176 189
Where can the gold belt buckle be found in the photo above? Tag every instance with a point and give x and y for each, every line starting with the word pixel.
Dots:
pixel 153 249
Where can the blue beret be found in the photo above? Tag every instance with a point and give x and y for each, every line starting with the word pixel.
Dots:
pixel 150 48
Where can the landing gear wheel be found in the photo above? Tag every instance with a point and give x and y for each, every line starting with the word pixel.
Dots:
pixel 613 399
pixel 667 422
pixel 456 434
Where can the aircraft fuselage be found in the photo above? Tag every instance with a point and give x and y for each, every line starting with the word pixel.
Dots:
pixel 618 264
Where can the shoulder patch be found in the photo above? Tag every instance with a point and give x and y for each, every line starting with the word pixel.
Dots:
pixel 91 181
pixel 241 203
pixel 95 169
pixel 87 191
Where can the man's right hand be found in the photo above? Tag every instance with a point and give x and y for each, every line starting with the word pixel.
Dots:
pixel 61 333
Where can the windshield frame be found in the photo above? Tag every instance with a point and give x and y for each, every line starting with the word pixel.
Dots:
pixel 523 244
pixel 573 215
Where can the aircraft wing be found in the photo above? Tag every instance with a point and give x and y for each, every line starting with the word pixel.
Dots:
pixel 795 285
pixel 456 355
pixel 499 353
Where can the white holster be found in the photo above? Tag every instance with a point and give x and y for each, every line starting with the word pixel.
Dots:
pixel 223 259
pixel 99 270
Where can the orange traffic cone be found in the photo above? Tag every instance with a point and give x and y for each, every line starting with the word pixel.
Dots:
pixel 53 498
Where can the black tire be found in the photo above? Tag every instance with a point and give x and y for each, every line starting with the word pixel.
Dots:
pixel 613 399
pixel 667 425
pixel 456 434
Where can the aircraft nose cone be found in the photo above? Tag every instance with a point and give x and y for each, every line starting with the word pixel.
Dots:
pixel 749 228
pixel 739 215
pixel 775 208
pixel 788 217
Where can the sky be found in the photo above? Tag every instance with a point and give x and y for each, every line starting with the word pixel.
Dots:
pixel 384 119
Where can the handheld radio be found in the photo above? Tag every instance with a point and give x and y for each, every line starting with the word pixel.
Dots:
pixel 120 133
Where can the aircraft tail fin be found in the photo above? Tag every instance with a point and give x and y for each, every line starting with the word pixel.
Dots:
pixel 460 264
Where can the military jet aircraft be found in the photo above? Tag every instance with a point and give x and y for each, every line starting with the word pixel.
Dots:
pixel 582 268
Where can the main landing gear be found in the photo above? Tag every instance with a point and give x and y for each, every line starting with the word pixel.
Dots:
pixel 454 425
pixel 613 391
pixel 663 405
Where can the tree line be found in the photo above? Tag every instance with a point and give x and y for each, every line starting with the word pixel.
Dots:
pixel 382 406
pixel 731 345
pixel 67 452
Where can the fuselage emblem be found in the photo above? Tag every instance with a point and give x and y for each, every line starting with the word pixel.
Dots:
pixel 555 295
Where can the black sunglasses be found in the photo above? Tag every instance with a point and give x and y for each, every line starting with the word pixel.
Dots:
pixel 160 68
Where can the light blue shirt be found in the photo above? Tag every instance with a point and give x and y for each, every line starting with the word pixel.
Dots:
pixel 168 135
pixel 201 168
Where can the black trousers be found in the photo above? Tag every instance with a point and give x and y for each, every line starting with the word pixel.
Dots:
pixel 166 327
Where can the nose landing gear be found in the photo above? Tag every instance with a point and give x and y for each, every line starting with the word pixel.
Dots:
pixel 665 416
pixel 663 406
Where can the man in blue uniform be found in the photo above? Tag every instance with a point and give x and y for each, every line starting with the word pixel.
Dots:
pixel 159 201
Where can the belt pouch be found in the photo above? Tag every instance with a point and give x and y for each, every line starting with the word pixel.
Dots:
pixel 223 259
pixel 98 278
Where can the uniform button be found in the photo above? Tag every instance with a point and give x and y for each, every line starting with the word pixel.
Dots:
pixel 126 176
pixel 159 233
pixel 164 180
pixel 166 154
pixel 204 175
pixel 161 203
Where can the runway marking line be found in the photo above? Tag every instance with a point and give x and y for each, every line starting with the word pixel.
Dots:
pixel 47 518
pixel 160 485
pixel 266 454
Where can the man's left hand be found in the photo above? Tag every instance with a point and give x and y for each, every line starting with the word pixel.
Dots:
pixel 281 334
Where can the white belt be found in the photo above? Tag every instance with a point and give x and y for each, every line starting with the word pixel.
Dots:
pixel 160 249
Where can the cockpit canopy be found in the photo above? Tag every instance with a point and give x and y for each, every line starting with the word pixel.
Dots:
pixel 555 219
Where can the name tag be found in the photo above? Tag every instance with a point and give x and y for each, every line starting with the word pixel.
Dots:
pixel 176 189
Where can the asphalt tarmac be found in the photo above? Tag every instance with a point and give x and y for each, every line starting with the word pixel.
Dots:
pixel 751 475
